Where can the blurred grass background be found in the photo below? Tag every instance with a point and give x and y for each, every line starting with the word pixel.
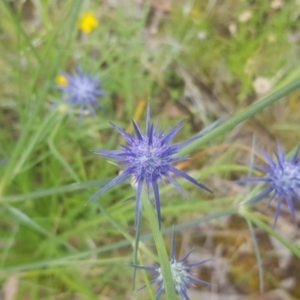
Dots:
pixel 198 60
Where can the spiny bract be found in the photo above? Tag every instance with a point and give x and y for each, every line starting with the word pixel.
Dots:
pixel 283 179
pixel 180 270
pixel 81 90
pixel 149 158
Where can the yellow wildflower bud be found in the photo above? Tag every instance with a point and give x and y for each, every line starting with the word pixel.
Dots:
pixel 61 80
pixel 87 22
pixel 63 107
pixel 194 11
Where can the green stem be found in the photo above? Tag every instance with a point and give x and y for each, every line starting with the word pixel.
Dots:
pixel 240 117
pixel 164 260
pixel 24 149
pixel 258 257
pixel 254 219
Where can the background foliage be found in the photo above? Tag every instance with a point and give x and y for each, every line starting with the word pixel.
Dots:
pixel 198 60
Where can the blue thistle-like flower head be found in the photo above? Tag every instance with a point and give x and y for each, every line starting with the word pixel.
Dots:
pixel 283 180
pixel 181 273
pixel 149 158
pixel 81 90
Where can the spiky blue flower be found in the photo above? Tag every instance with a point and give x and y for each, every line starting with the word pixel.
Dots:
pixel 81 90
pixel 149 158
pixel 181 273
pixel 282 179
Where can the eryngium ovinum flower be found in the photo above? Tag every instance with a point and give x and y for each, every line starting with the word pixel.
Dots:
pixel 181 273
pixel 282 178
pixel 149 158
pixel 81 90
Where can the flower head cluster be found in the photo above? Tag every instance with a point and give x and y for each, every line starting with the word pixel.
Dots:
pixel 283 179
pixel 148 158
pixel 81 90
pixel 181 273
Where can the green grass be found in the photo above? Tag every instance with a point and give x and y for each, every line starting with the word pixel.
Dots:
pixel 60 248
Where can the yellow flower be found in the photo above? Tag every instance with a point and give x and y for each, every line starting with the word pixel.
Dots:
pixel 63 107
pixel 195 11
pixel 61 80
pixel 87 22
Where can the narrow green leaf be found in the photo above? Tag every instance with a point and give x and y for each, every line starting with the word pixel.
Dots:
pixel 258 257
pixel 254 219
pixel 73 187
pixel 241 116
pixel 160 247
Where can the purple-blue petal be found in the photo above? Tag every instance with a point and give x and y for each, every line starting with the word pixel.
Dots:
pixel 183 294
pixel 267 158
pixel 172 132
pixel 147 268
pixel 124 133
pixel 137 131
pixel 188 177
pixel 113 182
pixel 294 158
pixel 173 245
pixel 113 154
pixel 290 204
pixel 199 263
pixel 176 184
pixel 138 202
pixel 186 256
pixel 159 293
pixel 272 197
pixel 261 195
pixel 199 280
pixel 253 180
pixel 157 201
